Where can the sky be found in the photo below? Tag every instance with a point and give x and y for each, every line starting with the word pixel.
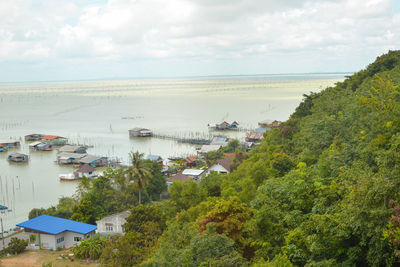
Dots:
pixel 52 40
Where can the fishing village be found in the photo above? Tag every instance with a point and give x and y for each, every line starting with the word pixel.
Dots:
pixel 81 163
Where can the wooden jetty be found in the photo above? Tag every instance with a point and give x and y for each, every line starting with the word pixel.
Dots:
pixel 196 139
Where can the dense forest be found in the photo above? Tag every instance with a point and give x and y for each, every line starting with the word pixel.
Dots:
pixel 321 190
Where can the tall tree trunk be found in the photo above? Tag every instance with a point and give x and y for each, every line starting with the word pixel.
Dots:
pixel 140 197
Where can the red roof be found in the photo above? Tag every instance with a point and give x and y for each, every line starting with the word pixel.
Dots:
pixel 190 159
pixel 50 137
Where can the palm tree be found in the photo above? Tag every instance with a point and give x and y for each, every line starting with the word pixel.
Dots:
pixel 138 173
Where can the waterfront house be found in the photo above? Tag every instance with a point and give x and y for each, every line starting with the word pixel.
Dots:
pixel 93 161
pixel 85 170
pixel 234 124
pixel 269 123
pixel 72 149
pixel 55 140
pixel 140 132
pixel 112 224
pixel 33 137
pixel 18 157
pixel 224 126
pixel 3 148
pixel 53 232
pixel 219 140
pixel 177 177
pixel 40 146
pixel 208 148
pixel 69 158
pixel 254 136
pixel 190 161
pixel 155 158
pixel 10 143
pixel 220 166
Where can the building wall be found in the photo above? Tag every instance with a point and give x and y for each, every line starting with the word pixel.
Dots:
pixel 69 238
pixel 48 241
pixel 111 225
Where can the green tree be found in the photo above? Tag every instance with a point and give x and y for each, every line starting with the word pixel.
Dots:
pixel 16 245
pixel 139 174
pixel 90 248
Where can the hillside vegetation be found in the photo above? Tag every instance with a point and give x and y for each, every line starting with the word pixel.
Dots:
pixel 321 190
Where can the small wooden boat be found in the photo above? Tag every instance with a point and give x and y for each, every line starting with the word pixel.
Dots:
pixel 68 177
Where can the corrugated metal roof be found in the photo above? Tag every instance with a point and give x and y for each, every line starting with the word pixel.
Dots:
pixel 51 137
pixel 192 172
pixel 154 158
pixel 54 225
pixel 89 159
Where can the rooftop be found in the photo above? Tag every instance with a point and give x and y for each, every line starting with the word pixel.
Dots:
pixel 192 172
pixel 178 177
pixel 54 225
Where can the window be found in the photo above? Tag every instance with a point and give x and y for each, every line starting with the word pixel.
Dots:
pixel 109 227
pixel 59 240
pixel 77 238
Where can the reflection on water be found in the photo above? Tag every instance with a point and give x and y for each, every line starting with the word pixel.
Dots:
pixel 99 113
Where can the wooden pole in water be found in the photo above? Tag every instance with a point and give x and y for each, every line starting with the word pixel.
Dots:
pixel 2 232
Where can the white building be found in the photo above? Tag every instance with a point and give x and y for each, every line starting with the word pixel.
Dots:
pixel 53 232
pixel 113 224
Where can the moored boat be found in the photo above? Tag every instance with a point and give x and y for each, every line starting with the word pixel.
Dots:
pixel 68 177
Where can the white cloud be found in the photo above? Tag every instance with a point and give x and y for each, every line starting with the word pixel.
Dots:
pixel 134 33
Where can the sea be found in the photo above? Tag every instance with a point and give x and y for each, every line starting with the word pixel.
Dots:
pixel 99 114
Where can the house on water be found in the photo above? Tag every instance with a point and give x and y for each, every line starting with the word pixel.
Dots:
pixel 69 158
pixel 93 161
pixel 269 123
pixel 155 158
pixel 34 137
pixel 72 149
pixel 224 126
pixel 18 157
pixel 113 224
pixel 53 232
pixel 3 148
pixel 40 146
pixel 10 143
pixel 140 132
pixel 254 136
pixel 55 140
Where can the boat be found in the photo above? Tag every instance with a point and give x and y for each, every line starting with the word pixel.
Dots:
pixel 68 177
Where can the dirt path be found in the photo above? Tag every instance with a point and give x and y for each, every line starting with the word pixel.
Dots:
pixel 29 258
pixel 35 258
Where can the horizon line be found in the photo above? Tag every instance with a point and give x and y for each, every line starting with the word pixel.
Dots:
pixel 176 77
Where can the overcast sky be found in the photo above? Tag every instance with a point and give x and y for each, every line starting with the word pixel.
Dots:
pixel 90 39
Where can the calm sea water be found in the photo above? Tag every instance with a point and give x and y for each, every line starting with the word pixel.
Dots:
pixel 100 113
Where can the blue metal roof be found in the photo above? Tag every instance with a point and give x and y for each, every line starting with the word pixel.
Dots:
pixel 3 207
pixel 154 158
pixel 54 225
